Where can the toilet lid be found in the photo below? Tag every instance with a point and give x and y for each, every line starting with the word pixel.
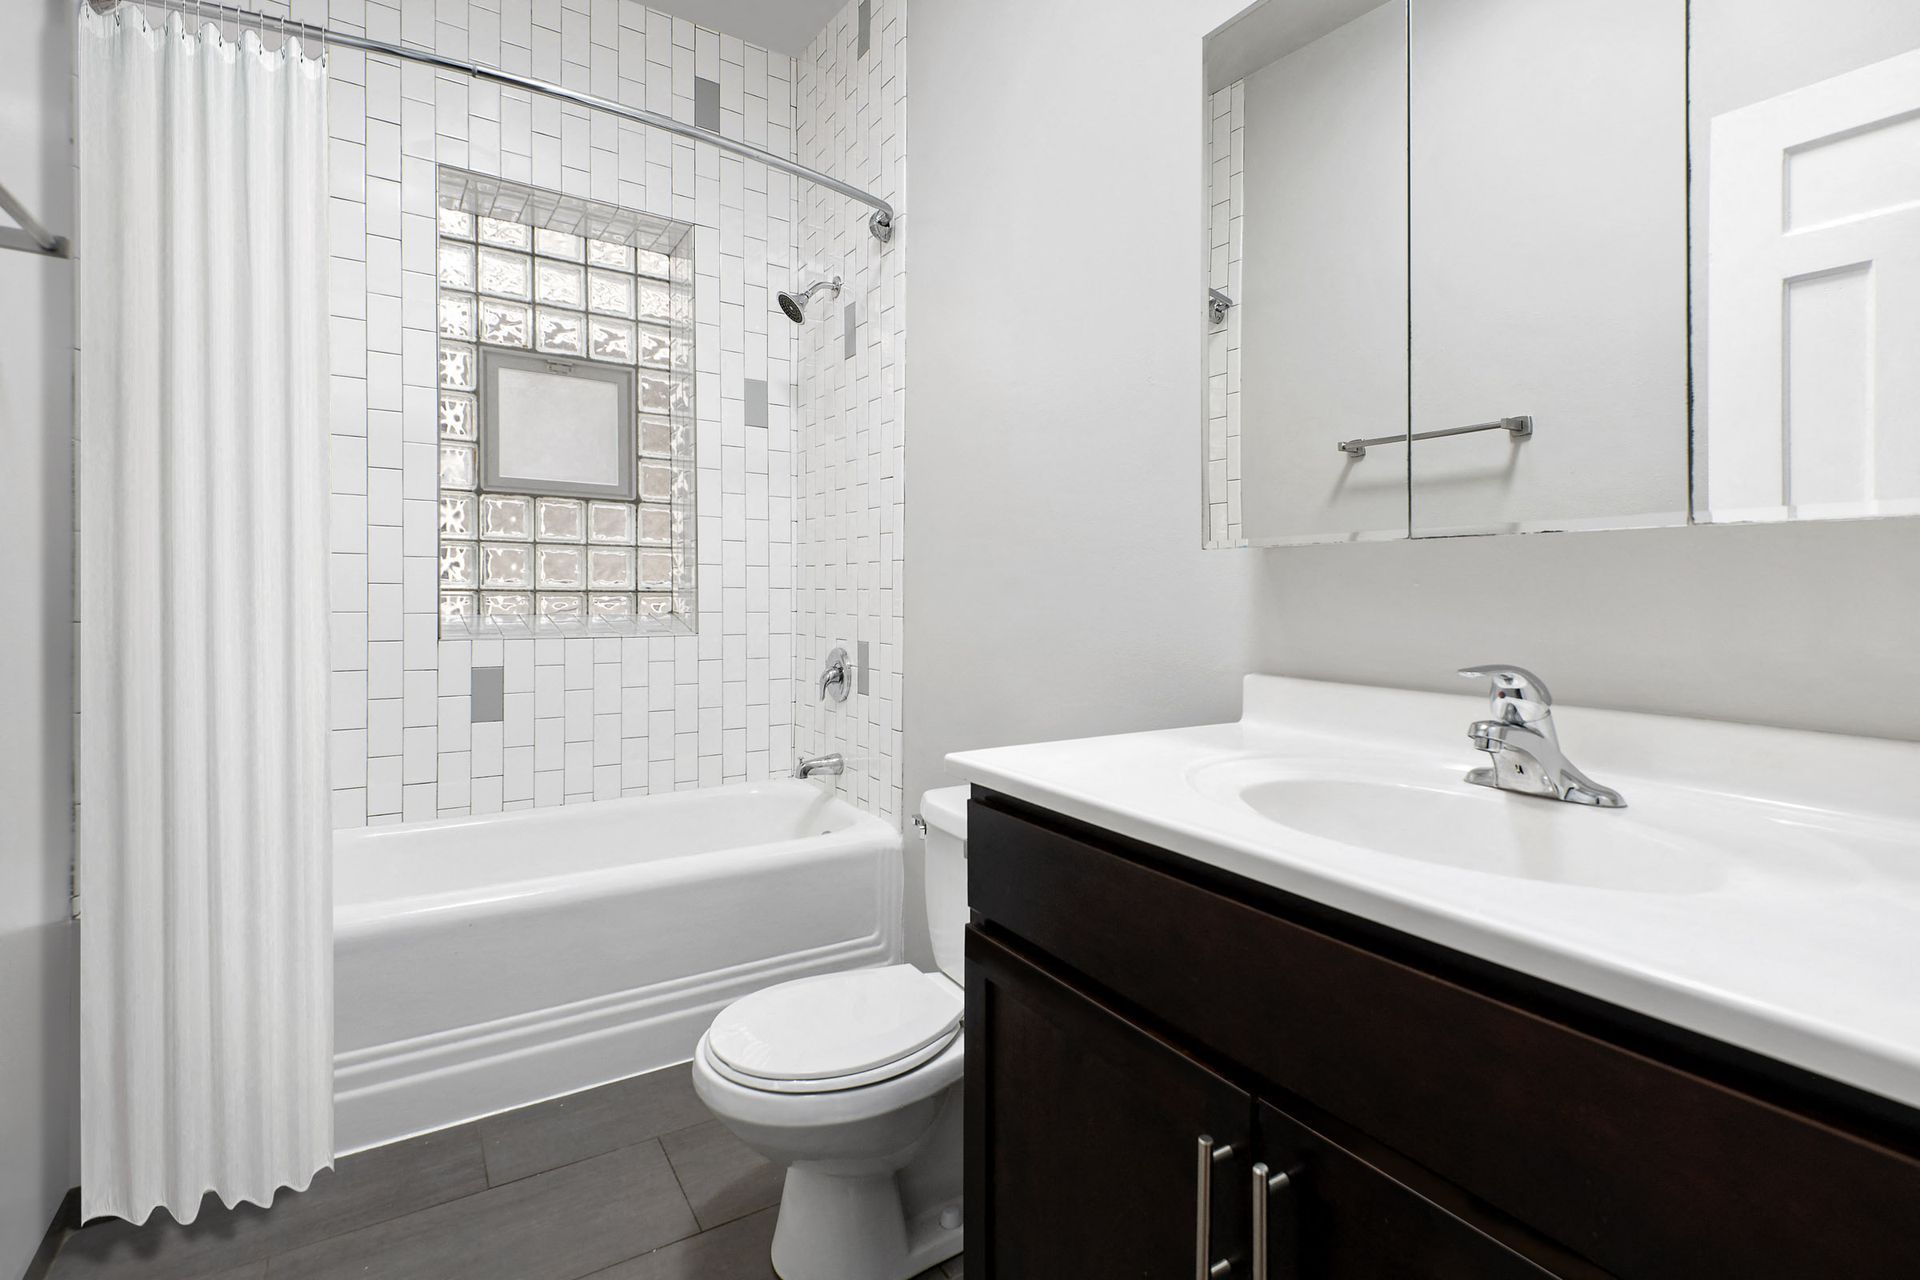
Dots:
pixel 836 1025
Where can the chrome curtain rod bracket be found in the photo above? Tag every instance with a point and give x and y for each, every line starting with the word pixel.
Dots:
pixel 880 223
pixel 29 236
pixel 1520 428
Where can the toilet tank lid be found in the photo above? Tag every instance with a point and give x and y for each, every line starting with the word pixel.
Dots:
pixel 945 809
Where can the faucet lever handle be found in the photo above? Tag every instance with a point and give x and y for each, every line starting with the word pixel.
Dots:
pixel 1518 696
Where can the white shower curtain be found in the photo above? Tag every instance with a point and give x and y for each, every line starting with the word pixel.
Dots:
pixel 205 867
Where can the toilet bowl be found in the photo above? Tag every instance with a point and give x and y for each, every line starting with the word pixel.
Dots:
pixel 852 1082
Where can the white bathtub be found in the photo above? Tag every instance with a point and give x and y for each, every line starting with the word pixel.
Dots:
pixel 485 963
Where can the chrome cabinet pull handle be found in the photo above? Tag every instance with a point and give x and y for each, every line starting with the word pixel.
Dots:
pixel 1265 1184
pixel 1204 1268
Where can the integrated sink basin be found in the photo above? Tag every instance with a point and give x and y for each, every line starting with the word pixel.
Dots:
pixel 1761 886
pixel 1470 828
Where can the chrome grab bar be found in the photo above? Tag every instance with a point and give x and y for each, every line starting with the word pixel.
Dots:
pixel 1520 428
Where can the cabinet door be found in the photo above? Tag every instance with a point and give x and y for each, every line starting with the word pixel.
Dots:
pixel 1334 1216
pixel 1084 1138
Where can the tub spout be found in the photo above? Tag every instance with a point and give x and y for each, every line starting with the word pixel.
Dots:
pixel 807 766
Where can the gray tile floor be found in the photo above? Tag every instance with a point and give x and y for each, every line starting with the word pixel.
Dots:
pixel 632 1181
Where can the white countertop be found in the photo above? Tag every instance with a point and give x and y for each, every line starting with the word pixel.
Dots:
pixel 1804 946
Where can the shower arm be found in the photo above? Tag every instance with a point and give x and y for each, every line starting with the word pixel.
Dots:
pixel 880 222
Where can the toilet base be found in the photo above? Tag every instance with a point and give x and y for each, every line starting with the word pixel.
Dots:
pixel 874 1226
pixel 836 1228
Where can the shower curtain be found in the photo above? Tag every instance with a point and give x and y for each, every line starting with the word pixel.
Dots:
pixel 204 873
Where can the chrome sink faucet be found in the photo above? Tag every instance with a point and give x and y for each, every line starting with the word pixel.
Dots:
pixel 1525 747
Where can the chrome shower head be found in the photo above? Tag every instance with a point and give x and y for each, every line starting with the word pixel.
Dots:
pixel 795 304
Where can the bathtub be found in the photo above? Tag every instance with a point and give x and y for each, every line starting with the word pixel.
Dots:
pixel 485 963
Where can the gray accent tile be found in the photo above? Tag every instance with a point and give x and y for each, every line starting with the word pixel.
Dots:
pixel 706 103
pixel 559 1225
pixel 361 1190
pixel 866 26
pixel 489 689
pixel 741 1250
pixel 852 328
pixel 722 1177
pixel 550 1134
pixel 756 402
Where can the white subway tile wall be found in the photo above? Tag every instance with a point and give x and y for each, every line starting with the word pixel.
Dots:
pixel 1227 179
pixel 591 717
pixel 852 123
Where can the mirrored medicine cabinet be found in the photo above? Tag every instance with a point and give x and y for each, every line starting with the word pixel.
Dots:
pixel 1507 266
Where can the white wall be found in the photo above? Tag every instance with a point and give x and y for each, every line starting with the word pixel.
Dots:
pixel 1055 582
pixel 38 1050
pixel 1053 585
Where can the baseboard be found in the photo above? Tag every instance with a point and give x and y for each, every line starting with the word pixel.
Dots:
pixel 66 1221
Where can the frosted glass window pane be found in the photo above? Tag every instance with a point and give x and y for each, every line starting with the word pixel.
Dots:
pixel 558 428
pixel 557 284
pixel 655 394
pixel 506 275
pixel 456 265
pixel 456 315
pixel 506 564
pixel 562 608
pixel 611 522
pixel 508 235
pixel 560 520
pixel 506 324
pixel 456 367
pixel 656 524
pixel 610 340
pixel 557 244
pixel 656 436
pixel 506 604
pixel 455 605
pixel 656 570
pixel 649 263
pixel 610 569
pixel 457 466
pixel 654 348
pixel 459 416
pixel 610 606
pixel 610 293
pixel 459 517
pixel 459 564
pixel 456 224
pixel 506 517
pixel 562 333
pixel 656 301
pixel 602 253
pixel 559 568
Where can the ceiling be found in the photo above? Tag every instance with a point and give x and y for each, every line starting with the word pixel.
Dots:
pixel 785 26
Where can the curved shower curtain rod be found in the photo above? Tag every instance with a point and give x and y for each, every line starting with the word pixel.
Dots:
pixel 880 223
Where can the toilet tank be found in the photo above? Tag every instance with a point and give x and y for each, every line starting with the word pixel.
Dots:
pixel 945 811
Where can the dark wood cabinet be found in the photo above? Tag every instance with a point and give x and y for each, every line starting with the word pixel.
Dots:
pixel 1432 1123
pixel 1090 1161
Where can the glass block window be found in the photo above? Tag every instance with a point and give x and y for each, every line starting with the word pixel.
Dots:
pixel 535 271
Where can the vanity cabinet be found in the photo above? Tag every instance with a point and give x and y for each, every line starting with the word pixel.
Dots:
pixel 1433 1117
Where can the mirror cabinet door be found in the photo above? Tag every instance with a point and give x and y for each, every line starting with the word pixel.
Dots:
pixel 1806 258
pixel 1548 198
pixel 1308 170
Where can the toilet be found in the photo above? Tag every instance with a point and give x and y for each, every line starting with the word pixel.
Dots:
pixel 852 1081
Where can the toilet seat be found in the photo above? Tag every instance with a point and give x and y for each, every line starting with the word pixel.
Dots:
pixel 837 1031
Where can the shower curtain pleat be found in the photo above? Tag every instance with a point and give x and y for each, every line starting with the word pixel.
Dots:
pixel 205 849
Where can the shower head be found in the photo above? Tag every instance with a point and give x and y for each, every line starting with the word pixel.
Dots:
pixel 795 304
